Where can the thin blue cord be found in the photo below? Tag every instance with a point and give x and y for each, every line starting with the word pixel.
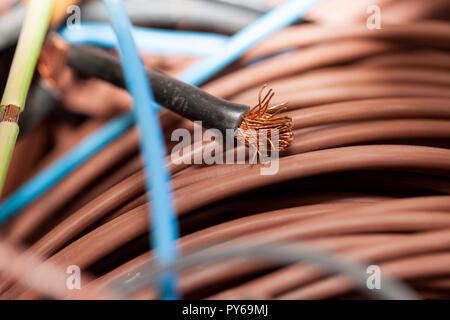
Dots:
pixel 162 42
pixel 69 162
pixel 239 43
pixel 165 228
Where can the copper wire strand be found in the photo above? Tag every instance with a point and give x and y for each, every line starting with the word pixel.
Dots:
pixel 263 118
pixel 365 88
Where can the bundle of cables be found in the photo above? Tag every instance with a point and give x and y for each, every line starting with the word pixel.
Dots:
pixel 362 122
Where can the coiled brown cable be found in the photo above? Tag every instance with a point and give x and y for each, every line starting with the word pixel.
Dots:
pixel 368 103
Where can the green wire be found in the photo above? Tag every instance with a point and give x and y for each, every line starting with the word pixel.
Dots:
pixel 21 73
pixel 27 52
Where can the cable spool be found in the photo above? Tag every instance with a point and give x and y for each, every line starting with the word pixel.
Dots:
pixel 366 177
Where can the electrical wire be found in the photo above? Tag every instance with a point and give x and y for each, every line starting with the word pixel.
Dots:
pixel 241 227
pixel 41 101
pixel 236 46
pixel 135 184
pixel 19 78
pixel 186 100
pixel 432 33
pixel 410 240
pixel 10 25
pixel 75 183
pixel 284 253
pixel 198 14
pixel 400 246
pixel 9 131
pixel 9 4
pixel 295 62
pixel 155 41
pixel 60 10
pixel 26 54
pixel 247 5
pixel 400 103
pixel 165 228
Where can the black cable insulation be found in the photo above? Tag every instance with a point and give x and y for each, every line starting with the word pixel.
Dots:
pixel 186 100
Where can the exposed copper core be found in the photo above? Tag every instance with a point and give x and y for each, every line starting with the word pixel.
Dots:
pixel 261 125
pixel 10 113
pixel 53 59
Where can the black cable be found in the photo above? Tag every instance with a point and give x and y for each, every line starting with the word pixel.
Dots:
pixel 281 253
pixel 199 14
pixel 186 100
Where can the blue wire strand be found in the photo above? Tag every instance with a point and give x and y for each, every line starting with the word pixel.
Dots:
pixel 161 42
pixel 165 228
pixel 236 46
pixel 62 167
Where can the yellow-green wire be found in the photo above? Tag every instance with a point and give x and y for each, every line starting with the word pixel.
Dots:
pixel 20 75
pixel 27 52
pixel 8 136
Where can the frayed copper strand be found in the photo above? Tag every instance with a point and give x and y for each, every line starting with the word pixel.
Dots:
pixel 260 122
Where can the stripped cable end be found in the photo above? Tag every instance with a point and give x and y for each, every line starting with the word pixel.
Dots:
pixel 262 124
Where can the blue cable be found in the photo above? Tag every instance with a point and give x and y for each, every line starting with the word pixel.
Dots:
pixel 163 217
pixel 34 188
pixel 162 42
pixel 239 44
pixel 69 162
